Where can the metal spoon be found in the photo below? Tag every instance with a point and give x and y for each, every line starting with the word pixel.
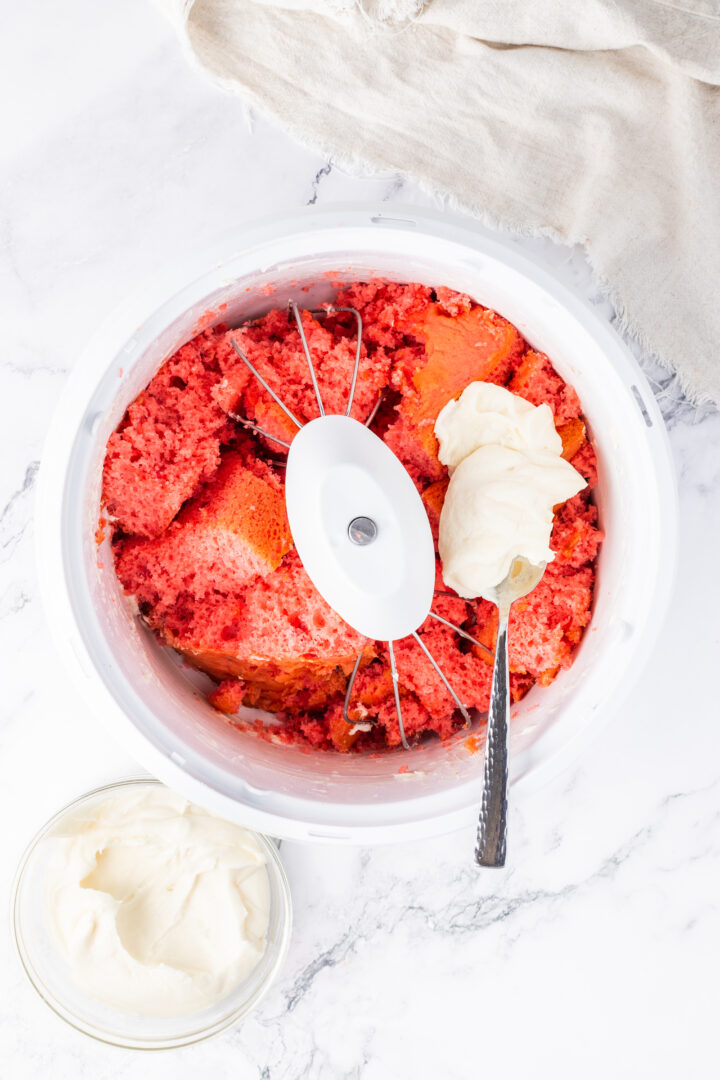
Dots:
pixel 492 825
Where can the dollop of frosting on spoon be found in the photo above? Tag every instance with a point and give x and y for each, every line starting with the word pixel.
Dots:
pixel 506 475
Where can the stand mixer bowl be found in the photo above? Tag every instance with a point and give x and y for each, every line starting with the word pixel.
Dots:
pixel 155 706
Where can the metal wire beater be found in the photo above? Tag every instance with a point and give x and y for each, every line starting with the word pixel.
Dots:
pixel 294 311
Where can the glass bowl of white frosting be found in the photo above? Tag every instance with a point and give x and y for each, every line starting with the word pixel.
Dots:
pixel 147 922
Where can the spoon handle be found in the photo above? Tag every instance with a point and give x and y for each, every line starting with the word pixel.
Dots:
pixel 492 826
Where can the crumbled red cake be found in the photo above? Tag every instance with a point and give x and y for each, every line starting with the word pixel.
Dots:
pixel 232 531
pixel 201 540
pixel 536 380
pixel 170 437
pixel 274 348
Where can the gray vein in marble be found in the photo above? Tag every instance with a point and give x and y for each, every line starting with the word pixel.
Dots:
pixel 9 249
pixel 13 601
pixel 324 171
pixel 31 371
pixel 11 528
pixel 460 916
pixel 394 188
pixel 327 959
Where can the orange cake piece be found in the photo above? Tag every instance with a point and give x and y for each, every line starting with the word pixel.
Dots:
pixel 475 345
pixel 433 498
pixel 573 436
pixel 342 735
pixel 578 450
pixel 242 514
pixel 372 686
pixel 233 530
pixel 229 695
pixel 169 439
pixel 279 696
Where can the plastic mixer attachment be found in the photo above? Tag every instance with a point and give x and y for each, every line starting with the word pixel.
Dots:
pixel 358 523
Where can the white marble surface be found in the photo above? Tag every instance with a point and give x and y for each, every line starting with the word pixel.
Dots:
pixel 595 953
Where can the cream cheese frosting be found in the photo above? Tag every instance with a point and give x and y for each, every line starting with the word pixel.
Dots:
pixel 506 475
pixel 159 907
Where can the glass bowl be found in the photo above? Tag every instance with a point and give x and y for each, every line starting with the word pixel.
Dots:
pixel 49 971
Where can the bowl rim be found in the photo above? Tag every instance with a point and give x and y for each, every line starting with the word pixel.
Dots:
pixel 428 818
pixel 278 883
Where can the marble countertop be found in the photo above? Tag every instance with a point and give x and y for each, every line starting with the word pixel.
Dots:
pixel 594 953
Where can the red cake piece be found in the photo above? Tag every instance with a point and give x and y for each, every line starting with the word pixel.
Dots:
pixel 268 416
pixel 373 704
pixel 585 462
pixel 575 537
pixel 389 311
pixel 234 529
pixel 416 720
pixel 229 695
pixel 520 685
pixel 417 448
pixel 274 347
pixel 372 686
pixel 546 625
pixel 469 677
pixel 451 302
pixel 578 450
pixel 372 712
pixel 278 633
pixel 169 440
pixel 446 602
pixel 536 380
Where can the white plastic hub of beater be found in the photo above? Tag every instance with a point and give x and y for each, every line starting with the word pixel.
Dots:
pixel 360 527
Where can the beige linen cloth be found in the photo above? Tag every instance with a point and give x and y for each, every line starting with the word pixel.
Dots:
pixel 594 122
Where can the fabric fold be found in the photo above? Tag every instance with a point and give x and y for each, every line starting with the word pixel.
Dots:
pixel 598 127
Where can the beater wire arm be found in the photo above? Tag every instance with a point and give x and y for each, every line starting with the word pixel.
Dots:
pixel 374 411
pixel 462 633
pixel 441 673
pixel 265 386
pixel 358 318
pixel 332 310
pixel 259 430
pixel 301 329
pixel 348 694
pixel 396 689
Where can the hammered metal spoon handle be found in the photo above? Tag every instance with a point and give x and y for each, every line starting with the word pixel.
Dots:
pixel 492 826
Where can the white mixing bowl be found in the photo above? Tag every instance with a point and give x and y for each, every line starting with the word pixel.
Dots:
pixel 149 701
